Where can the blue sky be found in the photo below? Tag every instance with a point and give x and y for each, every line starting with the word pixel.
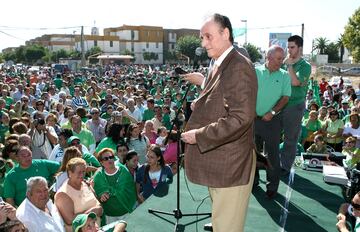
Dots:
pixel 21 20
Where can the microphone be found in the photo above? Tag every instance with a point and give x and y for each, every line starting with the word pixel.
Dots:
pixel 180 71
pixel 198 52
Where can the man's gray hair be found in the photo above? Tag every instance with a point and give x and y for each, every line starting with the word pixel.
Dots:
pixel 33 181
pixel 273 49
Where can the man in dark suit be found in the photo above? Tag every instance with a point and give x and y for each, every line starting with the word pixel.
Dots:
pixel 219 134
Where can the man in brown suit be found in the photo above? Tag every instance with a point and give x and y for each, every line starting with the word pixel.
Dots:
pixel 219 134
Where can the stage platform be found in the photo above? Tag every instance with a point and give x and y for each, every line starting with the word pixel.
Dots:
pixel 312 206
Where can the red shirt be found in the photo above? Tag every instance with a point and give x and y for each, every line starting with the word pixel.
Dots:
pixel 323 86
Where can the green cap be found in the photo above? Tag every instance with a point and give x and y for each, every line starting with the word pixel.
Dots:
pixel 72 138
pixel 80 221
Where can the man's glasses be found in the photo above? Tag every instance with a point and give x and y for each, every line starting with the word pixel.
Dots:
pixel 75 143
pixel 355 206
pixel 108 158
pixel 96 112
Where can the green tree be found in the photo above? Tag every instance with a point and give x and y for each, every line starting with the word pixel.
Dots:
pixel 150 56
pixel 187 45
pixel 34 53
pixel 351 37
pixel 341 47
pixel 9 56
pixel 254 52
pixel 20 54
pixel 74 54
pixel 332 50
pixel 93 51
pixel 320 44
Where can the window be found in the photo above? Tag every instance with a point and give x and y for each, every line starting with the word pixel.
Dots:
pixel 132 47
pixel 158 33
pixel 132 35
pixel 95 43
pixel 148 33
pixel 157 45
pixel 111 44
pixel 147 45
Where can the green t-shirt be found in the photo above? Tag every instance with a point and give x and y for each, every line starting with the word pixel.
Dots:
pixel 86 137
pixel 15 180
pixel 121 188
pixel 106 142
pixel 58 83
pixel 312 125
pixel 148 114
pixel 271 87
pixel 298 93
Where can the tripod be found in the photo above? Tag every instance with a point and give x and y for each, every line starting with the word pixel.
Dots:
pixel 177 212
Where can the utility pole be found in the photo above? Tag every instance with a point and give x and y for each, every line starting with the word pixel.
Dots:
pixel 302 36
pixel 245 21
pixel 82 47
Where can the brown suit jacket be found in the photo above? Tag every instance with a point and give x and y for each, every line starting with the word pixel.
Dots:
pixel 224 114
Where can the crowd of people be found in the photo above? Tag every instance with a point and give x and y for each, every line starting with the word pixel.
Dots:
pixel 96 145
pixel 81 150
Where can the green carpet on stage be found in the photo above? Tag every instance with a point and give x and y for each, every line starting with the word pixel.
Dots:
pixel 313 206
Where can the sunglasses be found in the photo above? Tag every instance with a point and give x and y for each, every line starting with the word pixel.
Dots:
pixel 108 158
pixel 355 206
pixel 75 143
pixel 94 112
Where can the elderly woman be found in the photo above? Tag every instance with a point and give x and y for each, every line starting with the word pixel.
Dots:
pixel 75 195
pixel 114 186
pixel 153 177
pixel 333 130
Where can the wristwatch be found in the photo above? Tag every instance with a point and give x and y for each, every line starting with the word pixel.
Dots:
pixel 273 112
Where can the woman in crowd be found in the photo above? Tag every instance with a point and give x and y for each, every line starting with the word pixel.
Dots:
pixel 319 145
pixel 114 186
pixel 52 121
pixel 351 152
pixel 75 195
pixel 137 142
pixel 171 151
pixel 132 162
pixel 153 177
pixel 62 176
pixel 353 128
pixel 333 130
pixel 149 131
pixel 114 136
pixel 313 127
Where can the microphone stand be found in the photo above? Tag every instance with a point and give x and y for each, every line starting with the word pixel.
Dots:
pixel 177 212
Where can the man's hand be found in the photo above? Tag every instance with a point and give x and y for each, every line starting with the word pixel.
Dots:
pixel 267 117
pixel 195 78
pixel 189 137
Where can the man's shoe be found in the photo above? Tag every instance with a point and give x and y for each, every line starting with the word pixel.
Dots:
pixel 270 194
pixel 208 227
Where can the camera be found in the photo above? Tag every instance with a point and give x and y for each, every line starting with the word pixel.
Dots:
pixel 38 121
pixel 353 185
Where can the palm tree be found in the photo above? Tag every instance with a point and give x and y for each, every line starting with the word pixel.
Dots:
pixel 320 44
pixel 340 45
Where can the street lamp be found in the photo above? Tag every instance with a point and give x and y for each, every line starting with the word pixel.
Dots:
pixel 245 21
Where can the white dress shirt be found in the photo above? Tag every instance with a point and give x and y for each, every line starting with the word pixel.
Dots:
pixel 37 220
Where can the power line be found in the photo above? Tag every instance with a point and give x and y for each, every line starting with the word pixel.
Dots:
pixel 266 28
pixel 12 36
pixel 38 28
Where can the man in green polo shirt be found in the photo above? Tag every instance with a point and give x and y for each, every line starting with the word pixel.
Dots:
pixel 299 71
pixel 15 180
pixel 274 90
